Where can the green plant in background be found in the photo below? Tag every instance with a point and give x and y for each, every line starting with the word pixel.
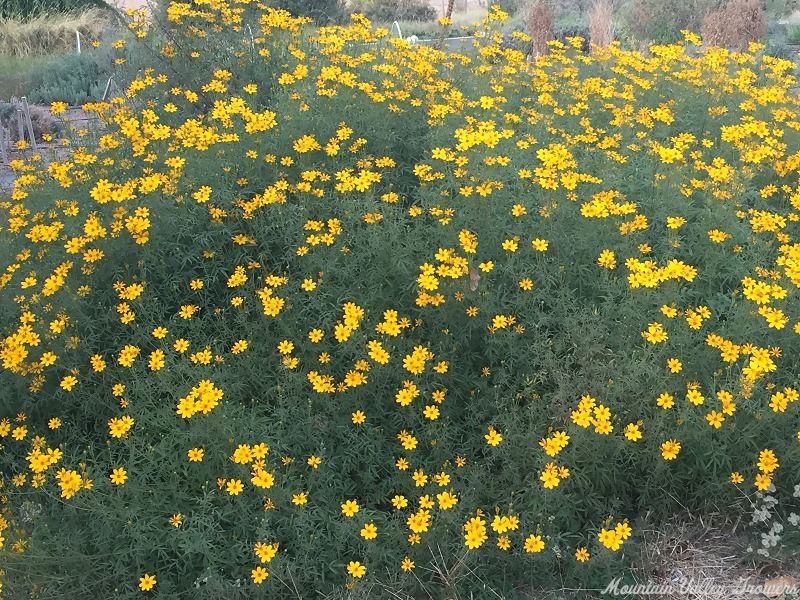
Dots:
pixel 322 312
pixel 793 34
pixel 27 9
pixel 387 11
pixel 323 12
pixel 75 78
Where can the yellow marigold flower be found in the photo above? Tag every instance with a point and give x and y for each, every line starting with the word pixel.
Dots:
pixel 715 419
pixel 607 259
pixel 234 487
pixel 534 544
pixel 399 502
pixel 258 575
pixel 540 245
pixel 356 569
pixel 350 508
pixel 674 365
pixel 767 461
pixel 147 582
pixel 582 554
pixel 763 481
pixel 475 533
pixel 118 476
pixel 632 432
pixel 195 454
pixel 369 531
pixel 493 437
pixel 670 449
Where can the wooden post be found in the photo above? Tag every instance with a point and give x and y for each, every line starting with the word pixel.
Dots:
pixel 4 136
pixel 20 124
pixel 28 122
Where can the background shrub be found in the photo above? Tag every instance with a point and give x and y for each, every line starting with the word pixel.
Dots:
pixel 384 11
pixel 735 24
pixel 28 9
pixel 75 79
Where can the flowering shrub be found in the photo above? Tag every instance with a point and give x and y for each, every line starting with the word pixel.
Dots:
pixel 315 308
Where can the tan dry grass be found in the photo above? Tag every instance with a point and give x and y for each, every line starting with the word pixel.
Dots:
pixel 734 25
pixel 601 23
pixel 709 554
pixel 541 25
pixel 50 34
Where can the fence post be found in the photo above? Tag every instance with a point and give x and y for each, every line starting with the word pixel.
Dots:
pixel 29 122
pixel 5 136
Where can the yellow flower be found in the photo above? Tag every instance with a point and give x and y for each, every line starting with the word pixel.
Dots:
pixel 767 461
pixel 670 449
pixel 195 454
pixel 234 487
pixel 118 476
pixel 540 245
pixel 582 554
pixel 350 508
pixel 369 531
pixel 534 544
pixel 493 437
pixel 632 432
pixel 607 259
pixel 356 569
pixel 147 582
pixel 258 575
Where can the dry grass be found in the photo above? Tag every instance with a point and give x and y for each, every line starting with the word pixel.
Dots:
pixel 734 25
pixel 601 25
pixel 706 554
pixel 50 34
pixel 540 25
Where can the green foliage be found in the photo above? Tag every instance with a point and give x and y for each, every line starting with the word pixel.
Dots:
pixel 793 34
pixel 74 78
pixel 26 9
pixel 512 7
pixel 266 205
pixel 323 12
pixel 657 21
pixel 384 11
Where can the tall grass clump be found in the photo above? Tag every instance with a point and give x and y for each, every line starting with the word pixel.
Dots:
pixel 601 23
pixel 50 33
pixel 312 312
pixel 29 9
pixel 540 23
pixel 735 24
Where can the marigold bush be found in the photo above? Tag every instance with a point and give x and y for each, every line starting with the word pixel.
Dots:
pixel 316 308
